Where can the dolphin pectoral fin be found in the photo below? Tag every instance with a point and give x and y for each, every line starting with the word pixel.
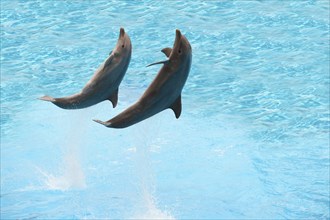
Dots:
pixel 47 98
pixel 160 62
pixel 177 107
pixel 167 51
pixel 114 98
pixel 102 123
pixel 108 61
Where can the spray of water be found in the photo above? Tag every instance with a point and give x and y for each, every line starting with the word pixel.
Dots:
pixel 144 136
pixel 69 174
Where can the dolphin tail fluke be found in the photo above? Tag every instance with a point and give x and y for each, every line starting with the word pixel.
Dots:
pixel 107 124
pixel 47 98
pixel 114 98
pixel 160 62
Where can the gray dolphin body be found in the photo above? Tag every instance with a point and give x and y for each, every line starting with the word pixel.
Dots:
pixel 105 81
pixel 165 90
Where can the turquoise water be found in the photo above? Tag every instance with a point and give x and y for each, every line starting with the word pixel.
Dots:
pixel 252 140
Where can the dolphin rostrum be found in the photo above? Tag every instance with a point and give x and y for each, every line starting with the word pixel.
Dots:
pixel 105 81
pixel 165 90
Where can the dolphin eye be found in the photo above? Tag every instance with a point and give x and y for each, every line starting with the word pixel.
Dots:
pixel 179 50
pixel 122 46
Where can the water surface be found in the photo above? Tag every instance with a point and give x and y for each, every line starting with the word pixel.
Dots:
pixel 252 140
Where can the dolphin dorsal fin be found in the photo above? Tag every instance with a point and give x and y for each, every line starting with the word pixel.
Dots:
pixel 114 98
pixel 177 107
pixel 167 51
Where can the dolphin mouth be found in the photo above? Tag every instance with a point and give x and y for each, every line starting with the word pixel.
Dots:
pixel 178 35
pixel 122 32
pixel 180 40
pixel 123 39
pixel 177 40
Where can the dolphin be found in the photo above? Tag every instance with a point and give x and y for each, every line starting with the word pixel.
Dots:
pixel 105 81
pixel 165 90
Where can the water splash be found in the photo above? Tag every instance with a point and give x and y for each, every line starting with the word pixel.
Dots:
pixel 144 138
pixel 70 174
pixel 151 210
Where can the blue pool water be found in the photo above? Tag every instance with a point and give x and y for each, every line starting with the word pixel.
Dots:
pixel 252 140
